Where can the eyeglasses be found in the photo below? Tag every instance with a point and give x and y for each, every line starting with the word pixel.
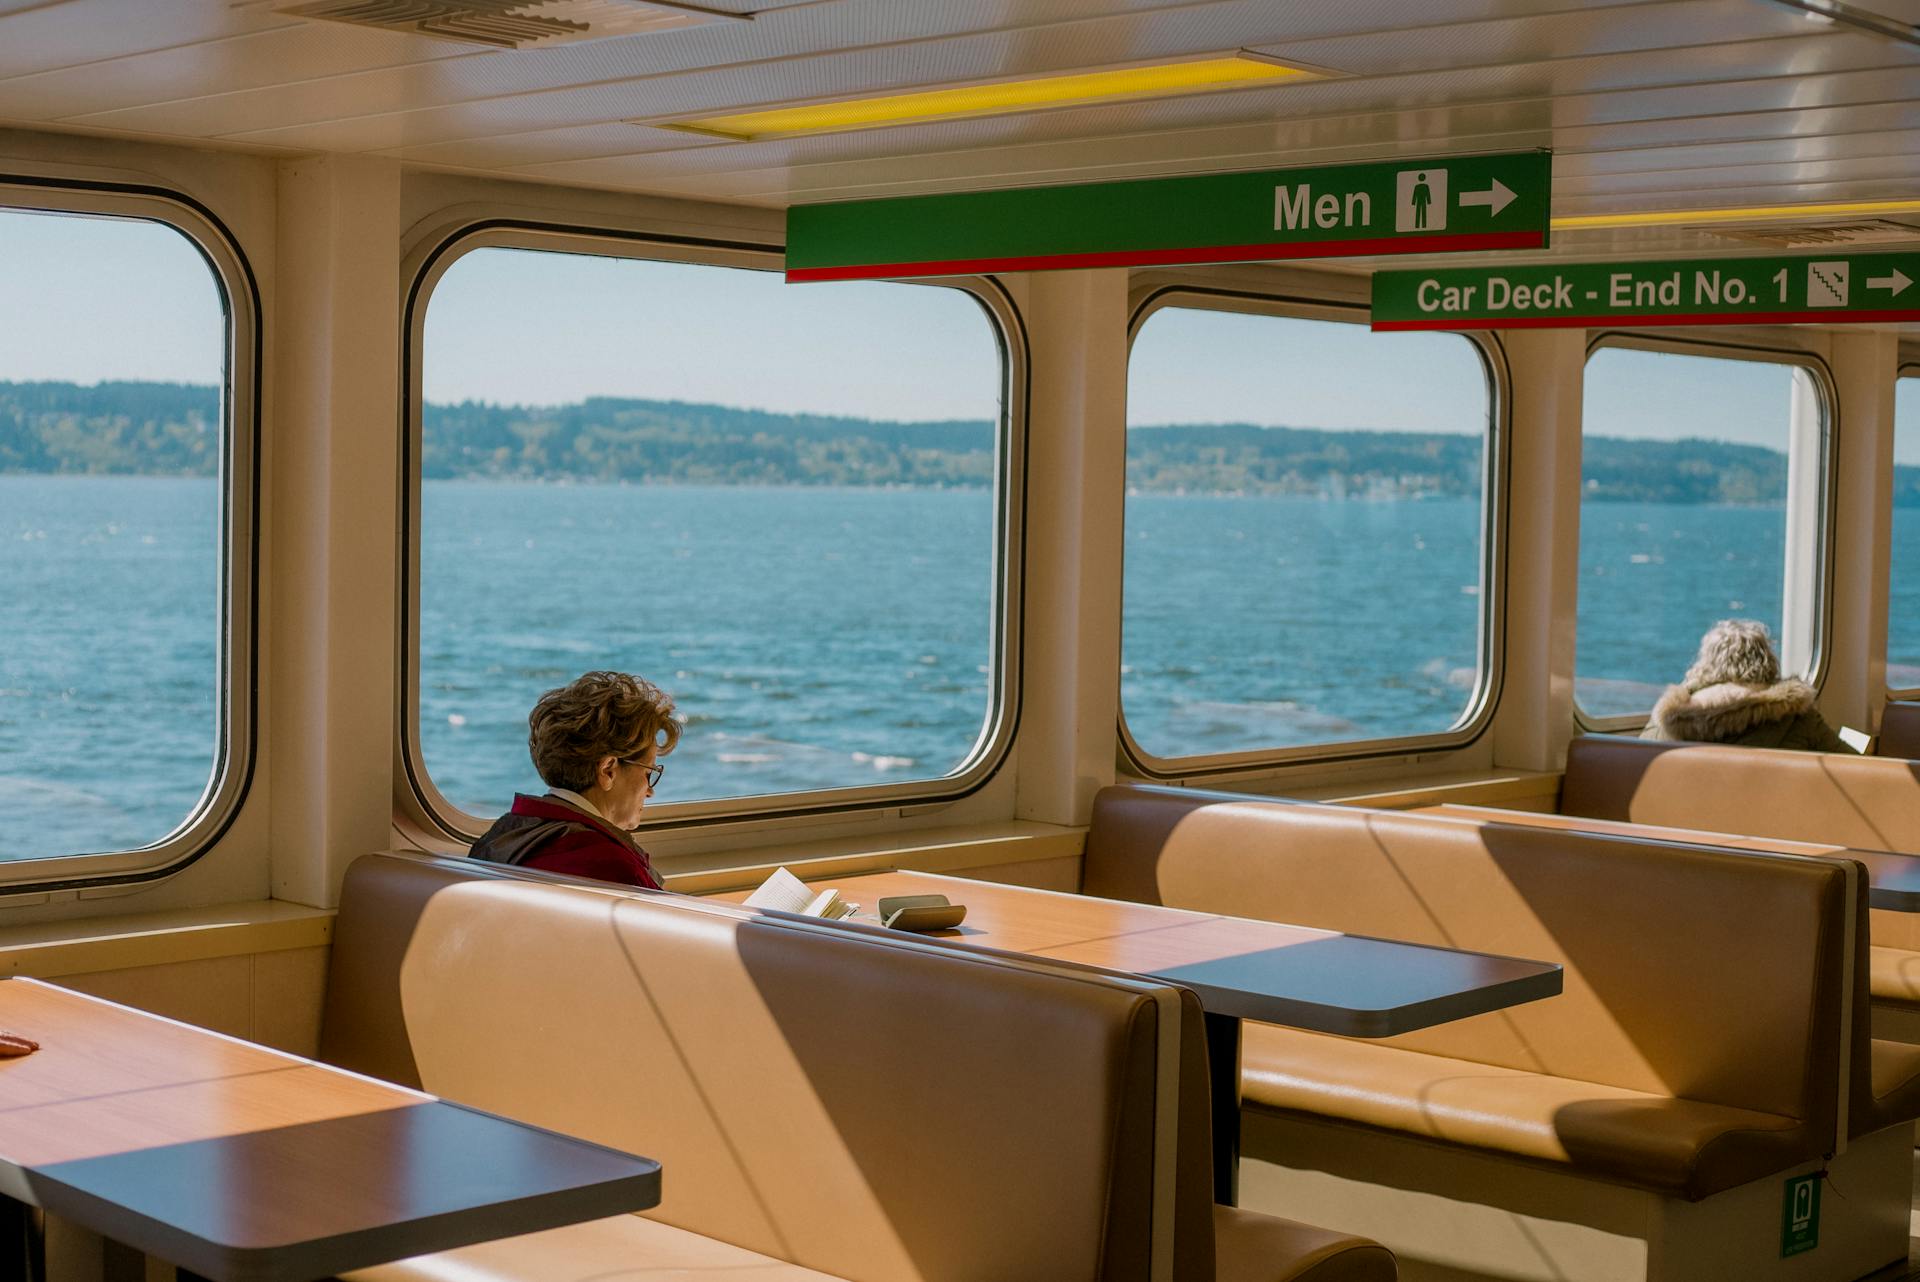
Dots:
pixel 654 771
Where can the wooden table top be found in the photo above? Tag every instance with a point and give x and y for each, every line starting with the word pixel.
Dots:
pixel 1319 980
pixel 1893 879
pixel 243 1163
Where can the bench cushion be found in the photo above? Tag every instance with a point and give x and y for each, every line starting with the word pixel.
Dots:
pixel 1832 798
pixel 626 1248
pixel 1678 1146
pixel 1672 996
pixel 788 1076
pixel 1899 731
pixel 1265 1248
pixel 1896 971
pixel 631 1248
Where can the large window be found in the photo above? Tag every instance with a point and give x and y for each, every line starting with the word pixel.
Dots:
pixel 1305 533
pixel 1701 500
pixel 782 503
pixel 1903 565
pixel 119 557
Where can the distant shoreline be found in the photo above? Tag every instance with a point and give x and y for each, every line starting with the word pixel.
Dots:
pixel 171 429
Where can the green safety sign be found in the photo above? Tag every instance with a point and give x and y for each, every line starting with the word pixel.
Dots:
pixel 1800 1216
pixel 1828 288
pixel 1400 207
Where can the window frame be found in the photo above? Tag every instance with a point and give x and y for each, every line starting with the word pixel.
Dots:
pixel 1907 365
pixel 237 533
pixel 422 799
pixel 1480 707
pixel 1759 353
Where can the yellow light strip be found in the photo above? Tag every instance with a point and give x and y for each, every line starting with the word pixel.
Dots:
pixel 1003 97
pixel 1749 213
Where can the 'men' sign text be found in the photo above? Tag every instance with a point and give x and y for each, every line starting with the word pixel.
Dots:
pixel 1399 207
pixel 1829 288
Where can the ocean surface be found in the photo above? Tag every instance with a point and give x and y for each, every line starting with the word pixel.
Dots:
pixel 818 638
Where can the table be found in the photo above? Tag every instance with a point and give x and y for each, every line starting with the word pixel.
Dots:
pixel 1319 980
pixel 1893 879
pixel 243 1164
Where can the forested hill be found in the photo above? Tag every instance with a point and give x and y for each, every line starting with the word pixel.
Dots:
pixel 171 429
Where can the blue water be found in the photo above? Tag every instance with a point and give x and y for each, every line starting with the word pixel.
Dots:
pixel 815 638
pixel 109 635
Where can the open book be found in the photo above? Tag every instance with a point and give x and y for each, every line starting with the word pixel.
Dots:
pixel 788 894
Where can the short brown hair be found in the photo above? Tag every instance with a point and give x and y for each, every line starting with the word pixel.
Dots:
pixel 602 714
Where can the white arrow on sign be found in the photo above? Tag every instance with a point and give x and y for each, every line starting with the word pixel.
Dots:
pixel 1495 198
pixel 1896 282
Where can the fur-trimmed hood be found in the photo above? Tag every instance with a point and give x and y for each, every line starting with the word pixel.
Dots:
pixel 1718 713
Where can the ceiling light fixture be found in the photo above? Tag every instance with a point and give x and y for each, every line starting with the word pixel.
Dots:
pixel 1748 213
pixel 1241 70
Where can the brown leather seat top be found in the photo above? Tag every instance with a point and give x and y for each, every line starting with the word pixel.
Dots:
pixel 1869 803
pixel 856 1104
pixel 1696 1045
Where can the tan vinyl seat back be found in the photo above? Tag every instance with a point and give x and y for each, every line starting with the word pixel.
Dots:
pixel 1691 973
pixel 1899 731
pixel 1870 803
pixel 882 1111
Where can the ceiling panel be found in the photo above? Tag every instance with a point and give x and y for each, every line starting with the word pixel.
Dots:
pixel 538 146
pixel 302 53
pixel 648 76
pixel 95 32
pixel 1644 102
pixel 1323 122
pixel 1405 106
pixel 1894 168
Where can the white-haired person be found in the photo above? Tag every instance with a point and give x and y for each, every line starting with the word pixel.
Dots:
pixel 1733 694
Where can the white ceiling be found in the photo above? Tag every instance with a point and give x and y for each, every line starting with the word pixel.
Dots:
pixel 1654 104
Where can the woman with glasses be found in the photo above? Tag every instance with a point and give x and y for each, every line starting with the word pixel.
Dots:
pixel 596 743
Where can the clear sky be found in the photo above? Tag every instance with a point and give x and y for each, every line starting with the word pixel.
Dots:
pixel 1906 419
pixel 84 300
pixel 1634 393
pixel 523 327
pixel 87 299
pixel 1196 366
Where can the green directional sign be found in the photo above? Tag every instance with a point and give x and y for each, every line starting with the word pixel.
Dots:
pixel 1400 207
pixel 1800 1216
pixel 1827 288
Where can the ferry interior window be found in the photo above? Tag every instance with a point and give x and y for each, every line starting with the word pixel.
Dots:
pixel 1700 501
pixel 1305 534
pixel 112 498
pixel 778 502
pixel 1903 563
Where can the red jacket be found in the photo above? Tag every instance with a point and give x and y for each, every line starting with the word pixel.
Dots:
pixel 553 836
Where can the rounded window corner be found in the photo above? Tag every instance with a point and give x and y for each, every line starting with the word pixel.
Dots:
pixel 1001 514
pixel 1479 561
pixel 150 536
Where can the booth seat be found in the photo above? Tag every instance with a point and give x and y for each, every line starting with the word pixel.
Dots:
pixel 1899 730
pixel 1642 1124
pixel 1869 803
pixel 825 1102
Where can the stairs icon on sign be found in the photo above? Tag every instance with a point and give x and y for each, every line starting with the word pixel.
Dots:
pixel 1827 284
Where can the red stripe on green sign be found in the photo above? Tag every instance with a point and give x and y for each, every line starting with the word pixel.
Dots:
pixel 1654 322
pixel 1163 258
